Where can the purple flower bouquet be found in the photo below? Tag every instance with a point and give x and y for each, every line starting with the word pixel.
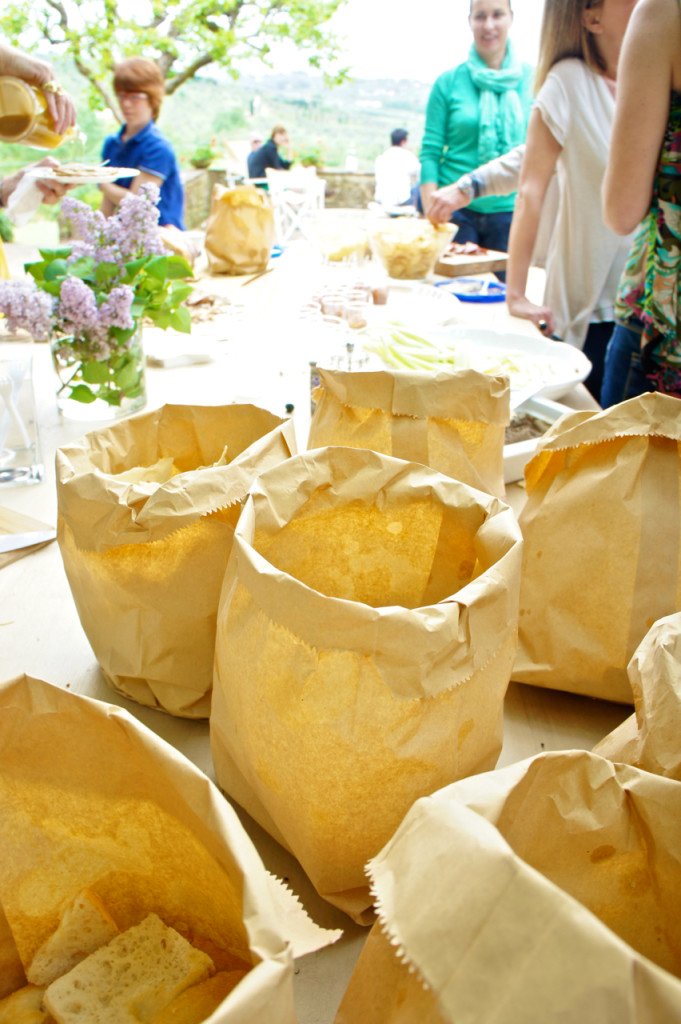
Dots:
pixel 89 300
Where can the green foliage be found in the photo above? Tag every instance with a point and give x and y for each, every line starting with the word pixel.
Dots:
pixel 6 227
pixel 183 36
pixel 203 156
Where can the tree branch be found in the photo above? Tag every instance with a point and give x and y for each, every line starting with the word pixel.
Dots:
pixel 199 62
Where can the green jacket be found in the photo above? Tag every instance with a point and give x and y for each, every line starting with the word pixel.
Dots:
pixel 450 140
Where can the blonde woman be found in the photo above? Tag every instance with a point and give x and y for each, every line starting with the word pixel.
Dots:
pixel 475 112
pixel 569 134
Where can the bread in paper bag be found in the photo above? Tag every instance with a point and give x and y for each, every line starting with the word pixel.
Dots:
pixel 453 422
pixel 651 738
pixel 365 635
pixel 546 891
pixel 240 230
pixel 123 815
pixel 147 509
pixel 602 545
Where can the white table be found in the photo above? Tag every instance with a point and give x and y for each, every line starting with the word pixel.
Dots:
pixel 40 633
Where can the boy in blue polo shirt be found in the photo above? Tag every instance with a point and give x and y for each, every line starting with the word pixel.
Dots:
pixel 140 88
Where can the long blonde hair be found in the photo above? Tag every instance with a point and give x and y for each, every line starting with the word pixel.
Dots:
pixel 563 35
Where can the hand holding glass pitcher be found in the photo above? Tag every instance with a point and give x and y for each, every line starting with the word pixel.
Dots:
pixel 34 109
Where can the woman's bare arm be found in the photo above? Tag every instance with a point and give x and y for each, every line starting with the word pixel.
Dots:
pixel 649 68
pixel 539 164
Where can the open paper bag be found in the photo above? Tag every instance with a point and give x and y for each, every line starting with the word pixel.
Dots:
pixel 602 545
pixel 366 631
pixel 547 891
pixel 453 422
pixel 90 799
pixel 147 510
pixel 240 230
pixel 651 738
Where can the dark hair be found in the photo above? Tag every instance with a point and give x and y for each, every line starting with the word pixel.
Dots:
pixel 398 136
pixel 137 74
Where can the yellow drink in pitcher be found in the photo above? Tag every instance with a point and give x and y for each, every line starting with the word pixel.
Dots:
pixel 24 116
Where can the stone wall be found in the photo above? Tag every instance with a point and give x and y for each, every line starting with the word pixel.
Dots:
pixel 351 189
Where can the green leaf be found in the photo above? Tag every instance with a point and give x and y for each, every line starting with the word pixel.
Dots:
pixel 106 272
pixel 55 254
pixel 58 269
pixel 95 372
pixel 157 267
pixel 82 393
pixel 178 267
pixel 128 375
pixel 83 268
pixel 160 317
pixel 181 320
pixel 179 292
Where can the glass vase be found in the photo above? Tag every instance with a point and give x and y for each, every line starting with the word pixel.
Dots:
pixel 94 388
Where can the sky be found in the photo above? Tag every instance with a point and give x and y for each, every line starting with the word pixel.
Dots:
pixel 419 40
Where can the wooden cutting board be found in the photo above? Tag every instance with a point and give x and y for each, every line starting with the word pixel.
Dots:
pixel 455 265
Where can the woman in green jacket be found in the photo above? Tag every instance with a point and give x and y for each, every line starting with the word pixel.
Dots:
pixel 476 112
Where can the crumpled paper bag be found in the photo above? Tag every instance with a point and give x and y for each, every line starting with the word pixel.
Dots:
pixel 602 545
pixel 651 738
pixel 91 798
pixel 240 230
pixel 453 422
pixel 366 631
pixel 546 891
pixel 147 510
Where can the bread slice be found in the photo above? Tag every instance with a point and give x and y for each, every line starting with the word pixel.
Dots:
pixel 130 979
pixel 85 926
pixel 24 1007
pixel 196 1004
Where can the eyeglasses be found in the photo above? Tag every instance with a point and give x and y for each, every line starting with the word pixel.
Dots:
pixel 131 97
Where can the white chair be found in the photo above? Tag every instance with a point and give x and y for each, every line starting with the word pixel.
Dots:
pixel 295 195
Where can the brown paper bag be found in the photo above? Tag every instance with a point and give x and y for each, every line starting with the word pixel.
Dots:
pixel 651 738
pixel 91 798
pixel 602 552
pixel 240 230
pixel 145 551
pixel 547 891
pixel 366 631
pixel 453 422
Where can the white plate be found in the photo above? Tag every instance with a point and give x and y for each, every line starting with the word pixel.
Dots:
pixel 533 365
pixel 101 177
pixel 518 454
pixel 419 306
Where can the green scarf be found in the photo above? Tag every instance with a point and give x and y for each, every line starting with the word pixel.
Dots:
pixel 502 124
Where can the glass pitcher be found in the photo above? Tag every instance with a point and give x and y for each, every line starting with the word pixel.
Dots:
pixel 24 116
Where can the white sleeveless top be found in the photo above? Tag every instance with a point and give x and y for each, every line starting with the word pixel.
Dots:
pixel 585 259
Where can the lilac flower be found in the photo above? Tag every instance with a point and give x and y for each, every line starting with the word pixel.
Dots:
pixel 78 307
pixel 27 308
pixel 138 219
pixel 131 233
pixel 115 310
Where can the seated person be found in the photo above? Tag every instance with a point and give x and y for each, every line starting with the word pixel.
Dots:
pixel 140 88
pixel 268 154
pixel 397 172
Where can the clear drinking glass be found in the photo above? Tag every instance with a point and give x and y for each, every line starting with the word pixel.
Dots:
pixel 20 459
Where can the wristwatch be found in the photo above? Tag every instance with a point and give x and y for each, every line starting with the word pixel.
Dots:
pixel 469 185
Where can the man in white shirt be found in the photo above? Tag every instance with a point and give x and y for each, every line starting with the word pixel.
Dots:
pixel 397 172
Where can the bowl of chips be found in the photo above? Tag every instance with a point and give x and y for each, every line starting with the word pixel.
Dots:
pixel 340 235
pixel 408 247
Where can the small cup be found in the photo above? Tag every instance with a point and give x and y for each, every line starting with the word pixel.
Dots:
pixel 20 460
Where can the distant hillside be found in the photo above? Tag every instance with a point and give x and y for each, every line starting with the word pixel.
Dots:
pixel 353 119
